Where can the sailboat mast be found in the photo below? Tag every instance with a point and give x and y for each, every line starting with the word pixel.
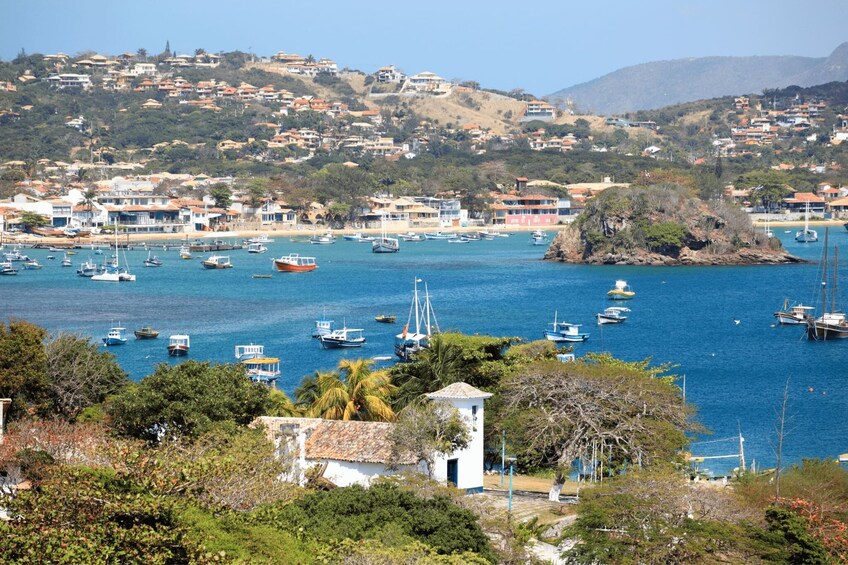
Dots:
pixel 835 270
pixel 417 308
pixel 824 275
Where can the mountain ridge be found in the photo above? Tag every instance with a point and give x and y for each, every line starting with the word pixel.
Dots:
pixel 649 86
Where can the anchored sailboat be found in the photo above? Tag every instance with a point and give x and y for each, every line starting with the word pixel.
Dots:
pixel 408 343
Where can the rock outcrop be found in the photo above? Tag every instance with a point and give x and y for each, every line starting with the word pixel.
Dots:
pixel 663 226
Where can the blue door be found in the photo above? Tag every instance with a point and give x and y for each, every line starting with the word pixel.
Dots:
pixel 453 471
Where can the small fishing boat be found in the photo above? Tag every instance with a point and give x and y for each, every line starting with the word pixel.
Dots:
pixel 32 265
pixel 486 235
pixel 256 247
pixel 621 291
pixel 343 338
pixel 412 236
pixel 832 324
pixel 796 314
pixel 613 315
pixel 178 345
pixel 257 366
pixel 322 239
pixel 146 332
pixel 115 336
pixel 294 263
pixel 385 245
pixel 261 238
pixel 50 257
pixel 359 238
pixel 539 237
pixel 87 269
pixel 66 261
pixel 152 261
pixel 565 332
pixel 6 268
pixel 384 319
pixel 461 239
pixel 439 235
pixel 185 252
pixel 323 326
pixel 217 262
pixel 258 276
pixel 15 255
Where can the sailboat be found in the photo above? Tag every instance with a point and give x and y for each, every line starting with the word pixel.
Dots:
pixel 113 272
pixel 807 235
pixel 385 244
pixel 406 343
pixel 831 324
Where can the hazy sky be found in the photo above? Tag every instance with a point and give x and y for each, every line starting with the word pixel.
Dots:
pixel 540 46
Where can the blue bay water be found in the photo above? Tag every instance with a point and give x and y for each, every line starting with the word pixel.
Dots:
pixel 735 373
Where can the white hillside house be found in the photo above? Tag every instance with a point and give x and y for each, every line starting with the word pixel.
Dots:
pixel 352 452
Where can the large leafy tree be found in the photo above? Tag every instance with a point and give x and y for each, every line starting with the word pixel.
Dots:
pixel 610 413
pixel 23 375
pixel 427 429
pixel 221 194
pixel 32 220
pixel 80 374
pixel 354 393
pixel 186 400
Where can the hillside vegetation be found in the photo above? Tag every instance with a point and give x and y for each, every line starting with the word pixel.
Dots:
pixel 663 225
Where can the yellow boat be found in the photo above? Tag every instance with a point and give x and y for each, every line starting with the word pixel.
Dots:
pixel 621 291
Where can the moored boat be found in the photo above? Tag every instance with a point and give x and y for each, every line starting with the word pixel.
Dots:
pixel 385 245
pixel 185 252
pixel 621 291
pixel 178 345
pixel 256 247
pixel 342 337
pixel 807 235
pixel 146 332
pixel 832 324
pixel 261 238
pixel 257 366
pixel 115 336
pixel 217 262
pixel 323 326
pixel 565 332
pixel 424 317
pixel 796 314
pixel 439 235
pixel 612 315
pixel 322 239
pixel 384 319
pixel 295 263
pixel 152 261
pixel 538 237
pixel 412 236
pixel 359 238
pixel 6 268
pixel 32 265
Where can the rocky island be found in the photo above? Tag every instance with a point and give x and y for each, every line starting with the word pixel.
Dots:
pixel 664 225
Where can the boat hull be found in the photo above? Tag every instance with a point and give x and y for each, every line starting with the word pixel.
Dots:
pixel 561 338
pixel 284 267
pixel 328 342
pixel 113 341
pixel 602 319
pixel 177 350
pixel 146 335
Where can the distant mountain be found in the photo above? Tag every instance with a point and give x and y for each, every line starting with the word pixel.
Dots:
pixel 662 83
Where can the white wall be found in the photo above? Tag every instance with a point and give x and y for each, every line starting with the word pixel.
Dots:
pixel 470 475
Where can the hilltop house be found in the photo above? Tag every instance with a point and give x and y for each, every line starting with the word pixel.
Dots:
pixel 352 452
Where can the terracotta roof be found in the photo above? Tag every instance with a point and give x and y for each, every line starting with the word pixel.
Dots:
pixel 806 197
pixel 458 390
pixel 364 442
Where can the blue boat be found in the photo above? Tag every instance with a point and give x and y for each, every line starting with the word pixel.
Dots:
pixel 115 337
pixel 565 332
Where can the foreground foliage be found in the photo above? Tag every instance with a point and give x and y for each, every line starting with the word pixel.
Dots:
pixel 185 400
pixel 383 512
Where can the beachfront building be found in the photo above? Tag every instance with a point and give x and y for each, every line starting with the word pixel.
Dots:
pixel 451 213
pixel 525 210
pixel 352 452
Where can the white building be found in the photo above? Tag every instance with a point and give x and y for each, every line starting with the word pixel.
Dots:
pixel 70 81
pixel 352 452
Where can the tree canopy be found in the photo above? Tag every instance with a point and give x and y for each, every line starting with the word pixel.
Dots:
pixel 184 400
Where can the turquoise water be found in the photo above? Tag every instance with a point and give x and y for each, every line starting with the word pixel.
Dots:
pixel 735 373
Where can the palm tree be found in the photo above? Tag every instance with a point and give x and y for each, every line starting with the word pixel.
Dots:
pixel 353 393
pixel 88 198
pixel 432 369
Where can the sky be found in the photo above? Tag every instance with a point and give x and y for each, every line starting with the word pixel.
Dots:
pixel 539 47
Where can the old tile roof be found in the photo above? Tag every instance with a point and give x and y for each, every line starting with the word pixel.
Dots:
pixel 458 390
pixel 362 442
